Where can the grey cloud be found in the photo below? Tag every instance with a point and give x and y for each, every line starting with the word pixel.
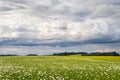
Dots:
pixel 55 2
pixel 63 26
pixel 65 22
pixel 23 28
pixel 107 10
pixel 42 9
pixel 3 9
pixel 17 1
pixel 113 2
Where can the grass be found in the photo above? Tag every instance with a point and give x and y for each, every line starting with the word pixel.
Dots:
pixel 60 68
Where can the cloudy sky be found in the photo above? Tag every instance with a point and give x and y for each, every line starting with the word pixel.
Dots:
pixel 47 26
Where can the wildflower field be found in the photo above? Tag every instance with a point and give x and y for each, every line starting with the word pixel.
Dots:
pixel 60 68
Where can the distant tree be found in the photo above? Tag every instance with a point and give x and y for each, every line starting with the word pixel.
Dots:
pixel 86 54
pixel 8 55
pixel 11 55
pixel 103 54
pixel 69 53
pixel 32 55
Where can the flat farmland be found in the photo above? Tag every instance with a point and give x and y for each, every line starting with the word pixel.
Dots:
pixel 60 67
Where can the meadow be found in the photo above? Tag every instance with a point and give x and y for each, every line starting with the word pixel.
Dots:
pixel 60 68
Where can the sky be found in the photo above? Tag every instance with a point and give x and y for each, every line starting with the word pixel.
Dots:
pixel 50 26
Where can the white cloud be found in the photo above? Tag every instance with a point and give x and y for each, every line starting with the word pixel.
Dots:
pixel 59 20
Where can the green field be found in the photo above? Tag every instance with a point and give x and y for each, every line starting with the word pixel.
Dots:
pixel 60 68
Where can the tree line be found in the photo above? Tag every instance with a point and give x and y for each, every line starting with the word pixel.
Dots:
pixel 87 54
pixel 18 55
pixel 8 55
pixel 73 53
